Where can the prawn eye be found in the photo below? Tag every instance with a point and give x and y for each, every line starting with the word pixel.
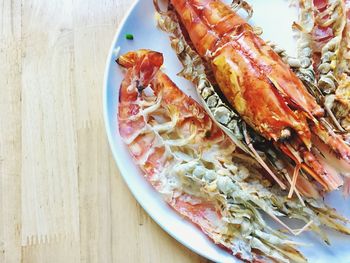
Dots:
pixel 140 88
pixel 207 134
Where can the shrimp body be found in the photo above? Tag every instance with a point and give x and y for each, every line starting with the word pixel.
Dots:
pixel 264 90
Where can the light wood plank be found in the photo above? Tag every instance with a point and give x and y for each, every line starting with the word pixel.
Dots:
pixel 10 131
pixel 52 252
pixel 50 204
pixel 94 27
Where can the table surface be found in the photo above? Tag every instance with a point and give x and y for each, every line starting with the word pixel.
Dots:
pixel 61 196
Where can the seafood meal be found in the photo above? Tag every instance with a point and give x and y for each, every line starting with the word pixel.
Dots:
pixel 270 136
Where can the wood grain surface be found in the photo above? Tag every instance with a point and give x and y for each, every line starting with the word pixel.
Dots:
pixel 61 197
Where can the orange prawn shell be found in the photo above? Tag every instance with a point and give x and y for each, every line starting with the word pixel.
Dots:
pixel 216 31
pixel 250 92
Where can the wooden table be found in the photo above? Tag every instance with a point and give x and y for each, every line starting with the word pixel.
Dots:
pixel 62 199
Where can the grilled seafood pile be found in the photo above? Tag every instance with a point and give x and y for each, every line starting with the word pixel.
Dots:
pixel 264 91
pixel 201 173
pixel 229 120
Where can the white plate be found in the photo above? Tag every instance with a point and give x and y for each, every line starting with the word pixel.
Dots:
pixel 275 17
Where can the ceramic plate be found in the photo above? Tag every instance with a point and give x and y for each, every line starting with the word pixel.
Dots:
pixel 275 17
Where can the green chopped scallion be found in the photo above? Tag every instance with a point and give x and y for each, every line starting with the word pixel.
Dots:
pixel 129 36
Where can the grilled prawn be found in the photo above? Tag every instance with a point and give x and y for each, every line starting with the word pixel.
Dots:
pixel 262 88
pixel 200 172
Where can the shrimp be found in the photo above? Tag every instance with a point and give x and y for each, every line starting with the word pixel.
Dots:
pixel 341 97
pixel 201 173
pixel 324 44
pixel 262 89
